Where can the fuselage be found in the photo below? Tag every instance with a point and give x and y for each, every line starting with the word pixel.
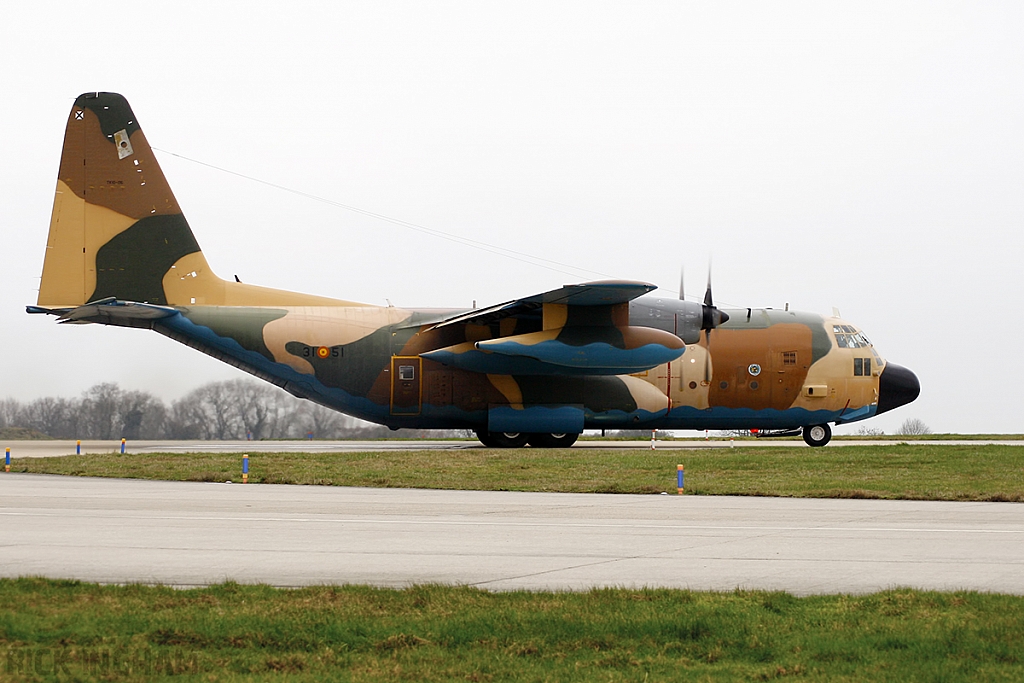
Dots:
pixel 763 368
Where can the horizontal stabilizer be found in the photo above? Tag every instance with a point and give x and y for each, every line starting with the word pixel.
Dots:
pixel 108 311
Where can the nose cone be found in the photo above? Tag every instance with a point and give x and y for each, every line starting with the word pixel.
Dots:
pixel 897 386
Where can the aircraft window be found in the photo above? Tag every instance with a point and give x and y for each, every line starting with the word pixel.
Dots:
pixel 862 367
pixel 789 357
pixel 852 341
pixel 838 329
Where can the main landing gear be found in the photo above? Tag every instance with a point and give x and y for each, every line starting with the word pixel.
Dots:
pixel 817 435
pixel 520 439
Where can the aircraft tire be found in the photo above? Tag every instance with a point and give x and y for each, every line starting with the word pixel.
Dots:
pixel 502 439
pixel 816 436
pixel 542 440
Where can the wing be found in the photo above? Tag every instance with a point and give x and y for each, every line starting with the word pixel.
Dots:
pixel 583 330
pixel 601 293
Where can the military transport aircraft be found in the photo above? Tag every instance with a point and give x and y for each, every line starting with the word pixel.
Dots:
pixel 537 370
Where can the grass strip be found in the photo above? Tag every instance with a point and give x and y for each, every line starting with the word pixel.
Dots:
pixel 67 630
pixel 898 471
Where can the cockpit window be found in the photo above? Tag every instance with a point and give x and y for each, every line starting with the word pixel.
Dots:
pixel 847 337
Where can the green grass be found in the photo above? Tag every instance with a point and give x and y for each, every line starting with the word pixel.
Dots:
pixel 906 471
pixel 434 633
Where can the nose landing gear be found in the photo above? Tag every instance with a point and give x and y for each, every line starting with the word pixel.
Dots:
pixel 817 435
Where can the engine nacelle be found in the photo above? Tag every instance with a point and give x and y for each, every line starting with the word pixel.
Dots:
pixel 574 350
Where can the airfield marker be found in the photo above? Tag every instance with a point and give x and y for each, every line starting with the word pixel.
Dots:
pixel 732 442
pixel 78 447
pixel 653 434
pixel 7 461
pixel 679 479
pixel 245 468
pixel 122 445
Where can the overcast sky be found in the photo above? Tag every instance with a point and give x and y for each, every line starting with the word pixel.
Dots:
pixel 867 156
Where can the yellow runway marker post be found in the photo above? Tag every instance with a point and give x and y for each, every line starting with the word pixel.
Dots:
pixel 680 473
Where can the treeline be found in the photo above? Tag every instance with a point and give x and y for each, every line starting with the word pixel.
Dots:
pixel 233 409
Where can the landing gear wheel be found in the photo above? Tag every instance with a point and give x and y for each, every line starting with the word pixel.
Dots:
pixel 552 440
pixel 501 439
pixel 817 435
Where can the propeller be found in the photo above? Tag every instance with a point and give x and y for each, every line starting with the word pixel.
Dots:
pixel 712 317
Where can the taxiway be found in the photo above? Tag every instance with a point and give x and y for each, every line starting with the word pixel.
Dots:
pixel 186 534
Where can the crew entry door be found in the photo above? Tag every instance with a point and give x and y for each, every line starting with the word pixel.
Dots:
pixel 406 384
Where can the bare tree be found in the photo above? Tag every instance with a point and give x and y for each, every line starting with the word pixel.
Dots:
pixel 913 426
pixel 142 415
pixel 187 420
pixel 108 412
pixel 260 408
pixel 10 412
pixel 216 411
pixel 99 412
pixel 323 422
pixel 56 417
pixel 210 412
pixel 235 409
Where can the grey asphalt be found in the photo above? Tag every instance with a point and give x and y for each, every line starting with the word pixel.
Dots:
pixel 48 448
pixel 184 533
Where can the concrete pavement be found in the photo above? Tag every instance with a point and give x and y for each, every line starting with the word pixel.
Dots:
pixel 184 533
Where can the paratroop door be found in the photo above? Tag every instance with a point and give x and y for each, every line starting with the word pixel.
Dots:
pixel 406 384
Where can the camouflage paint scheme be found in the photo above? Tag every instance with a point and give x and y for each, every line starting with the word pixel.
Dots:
pixel 594 355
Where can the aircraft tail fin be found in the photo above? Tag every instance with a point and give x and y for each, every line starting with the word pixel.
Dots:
pixel 116 229
pixel 117 232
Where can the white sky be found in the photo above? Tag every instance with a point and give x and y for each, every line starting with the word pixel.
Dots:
pixel 866 155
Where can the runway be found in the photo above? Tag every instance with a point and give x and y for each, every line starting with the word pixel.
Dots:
pixel 187 534
pixel 48 448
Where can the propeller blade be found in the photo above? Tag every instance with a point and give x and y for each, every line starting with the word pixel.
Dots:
pixel 712 317
pixel 708 301
pixel 707 356
pixel 682 283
